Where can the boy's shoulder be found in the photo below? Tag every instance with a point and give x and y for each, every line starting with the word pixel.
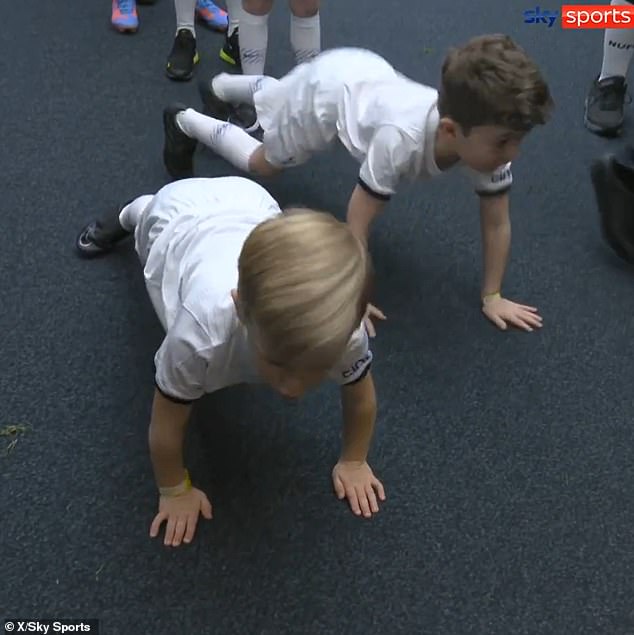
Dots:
pixel 405 106
pixel 200 351
pixel 356 360
pixel 214 315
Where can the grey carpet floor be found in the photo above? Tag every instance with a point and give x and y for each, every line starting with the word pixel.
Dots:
pixel 507 457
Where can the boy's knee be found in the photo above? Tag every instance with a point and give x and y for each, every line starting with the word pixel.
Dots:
pixel 257 7
pixel 258 164
pixel 304 8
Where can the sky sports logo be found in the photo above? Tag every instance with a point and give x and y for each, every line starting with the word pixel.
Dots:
pixel 594 16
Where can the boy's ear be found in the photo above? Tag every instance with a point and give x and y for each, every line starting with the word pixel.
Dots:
pixel 449 126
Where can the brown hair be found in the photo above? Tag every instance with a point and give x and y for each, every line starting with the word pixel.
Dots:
pixel 492 81
pixel 304 285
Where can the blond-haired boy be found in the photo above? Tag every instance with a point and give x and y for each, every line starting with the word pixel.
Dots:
pixel 247 293
pixel 491 95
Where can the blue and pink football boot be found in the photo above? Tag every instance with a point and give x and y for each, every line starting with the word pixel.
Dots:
pixel 125 17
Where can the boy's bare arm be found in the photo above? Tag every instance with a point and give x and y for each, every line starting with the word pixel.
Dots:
pixel 166 436
pixel 495 226
pixel 180 504
pixel 352 477
pixel 362 210
pixel 496 245
pixel 358 403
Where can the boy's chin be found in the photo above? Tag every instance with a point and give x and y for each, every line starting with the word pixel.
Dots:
pixel 479 166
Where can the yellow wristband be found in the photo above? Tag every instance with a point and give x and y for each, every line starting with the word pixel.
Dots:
pixel 491 296
pixel 177 490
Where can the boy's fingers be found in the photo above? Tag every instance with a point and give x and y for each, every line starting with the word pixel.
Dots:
pixel 205 509
pixel 354 501
pixel 378 486
pixel 339 488
pixel 192 522
pixel 156 524
pixel 374 505
pixel 364 503
pixel 521 323
pixel 535 320
pixel 375 312
pixel 181 526
pixel 516 320
pixel 169 531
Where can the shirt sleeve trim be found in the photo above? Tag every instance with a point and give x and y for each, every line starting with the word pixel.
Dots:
pixel 356 380
pixel 486 193
pixel 366 188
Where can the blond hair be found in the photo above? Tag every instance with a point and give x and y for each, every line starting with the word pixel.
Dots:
pixel 492 81
pixel 304 284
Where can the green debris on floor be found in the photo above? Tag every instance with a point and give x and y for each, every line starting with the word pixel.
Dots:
pixel 13 434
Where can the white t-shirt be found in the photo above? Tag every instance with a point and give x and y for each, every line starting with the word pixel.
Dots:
pixel 193 231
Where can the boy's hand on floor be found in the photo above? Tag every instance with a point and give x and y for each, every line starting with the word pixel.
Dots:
pixel 503 312
pixel 181 514
pixel 355 481
pixel 372 312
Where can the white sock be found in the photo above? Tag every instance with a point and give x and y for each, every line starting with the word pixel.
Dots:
pixel 618 48
pixel 234 9
pixel 229 141
pixel 254 37
pixel 305 37
pixel 129 216
pixel 185 13
pixel 239 89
